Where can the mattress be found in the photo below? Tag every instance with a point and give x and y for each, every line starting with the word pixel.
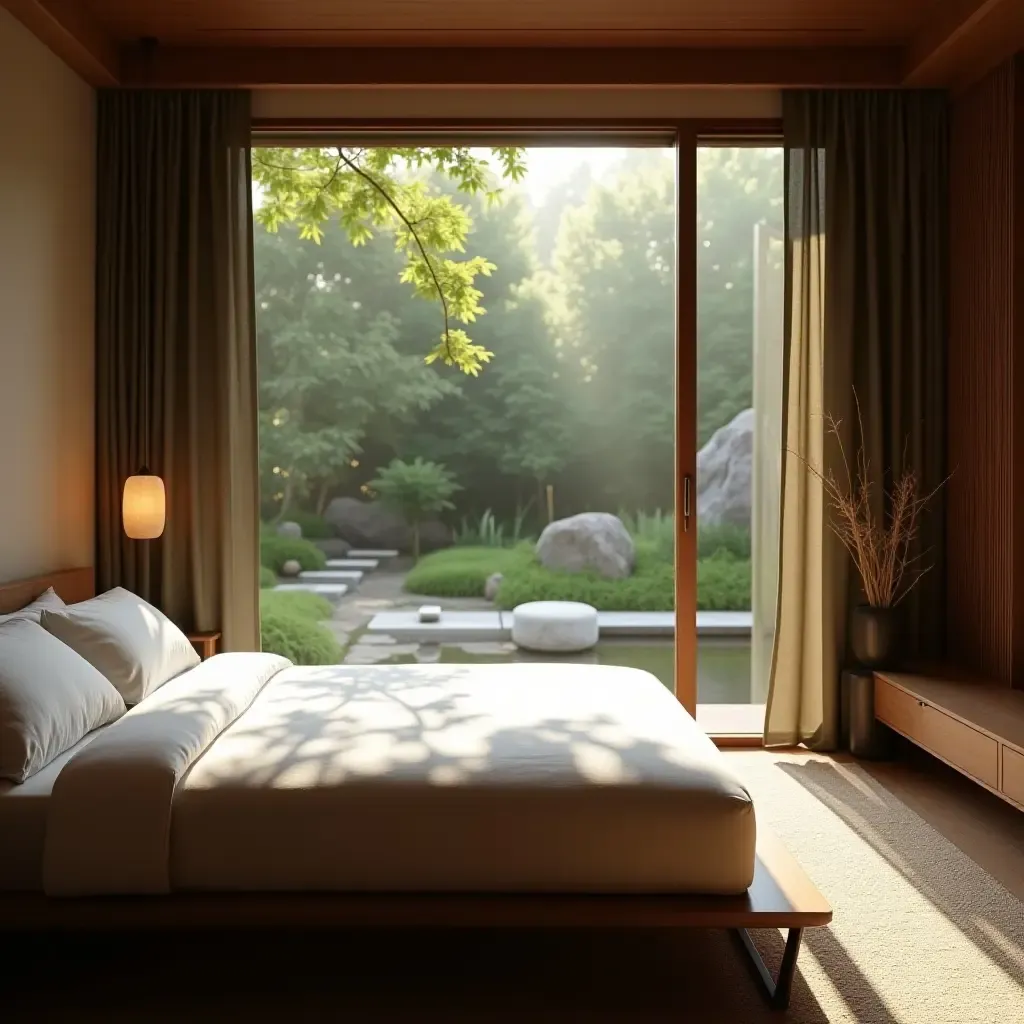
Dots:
pixel 496 778
pixel 23 811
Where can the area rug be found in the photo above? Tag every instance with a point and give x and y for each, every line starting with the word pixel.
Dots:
pixel 921 934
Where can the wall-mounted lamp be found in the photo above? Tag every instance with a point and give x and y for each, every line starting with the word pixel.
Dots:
pixel 143 506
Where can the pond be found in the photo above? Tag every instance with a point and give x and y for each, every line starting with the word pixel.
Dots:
pixel 723 666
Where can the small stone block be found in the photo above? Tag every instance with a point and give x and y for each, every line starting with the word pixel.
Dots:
pixel 430 613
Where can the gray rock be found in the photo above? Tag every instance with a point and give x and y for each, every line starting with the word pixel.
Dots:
pixel 333 547
pixel 291 568
pixel 595 541
pixel 724 467
pixel 370 524
pixel 292 530
pixel 492 585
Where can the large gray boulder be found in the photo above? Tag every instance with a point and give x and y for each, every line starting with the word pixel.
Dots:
pixel 333 547
pixel 724 468
pixel 595 541
pixel 370 524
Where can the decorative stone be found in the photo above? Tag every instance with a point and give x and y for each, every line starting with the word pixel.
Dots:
pixel 371 524
pixel 430 613
pixel 292 530
pixel 556 627
pixel 291 568
pixel 333 547
pixel 594 541
pixel 724 473
pixel 492 585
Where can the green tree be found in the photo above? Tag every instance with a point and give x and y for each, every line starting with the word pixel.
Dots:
pixel 737 187
pixel 507 430
pixel 327 363
pixel 380 188
pixel 417 489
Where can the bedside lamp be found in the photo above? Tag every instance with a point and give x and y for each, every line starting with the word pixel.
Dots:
pixel 143 506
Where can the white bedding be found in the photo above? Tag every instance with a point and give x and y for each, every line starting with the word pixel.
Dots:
pixel 247 775
pixel 23 811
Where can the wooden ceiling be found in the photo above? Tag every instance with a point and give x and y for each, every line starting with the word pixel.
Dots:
pixel 262 43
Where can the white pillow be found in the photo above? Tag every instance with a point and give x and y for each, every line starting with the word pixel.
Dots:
pixel 32 611
pixel 132 643
pixel 49 699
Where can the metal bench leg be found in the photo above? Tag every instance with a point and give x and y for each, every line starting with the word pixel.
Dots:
pixel 777 990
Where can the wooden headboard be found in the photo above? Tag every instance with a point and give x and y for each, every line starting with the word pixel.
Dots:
pixel 71 585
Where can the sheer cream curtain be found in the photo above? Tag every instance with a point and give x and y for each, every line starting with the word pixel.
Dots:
pixel 866 243
pixel 176 365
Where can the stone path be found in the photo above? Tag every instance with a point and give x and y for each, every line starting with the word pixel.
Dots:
pixel 382 591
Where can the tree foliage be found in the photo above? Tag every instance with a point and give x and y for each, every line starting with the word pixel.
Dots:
pixel 372 189
pixel 416 489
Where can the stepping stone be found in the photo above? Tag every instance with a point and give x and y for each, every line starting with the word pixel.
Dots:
pixel 373 553
pixel 332 591
pixel 330 576
pixel 405 626
pixel 366 564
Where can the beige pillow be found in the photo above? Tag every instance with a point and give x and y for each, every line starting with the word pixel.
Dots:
pixel 132 643
pixel 49 699
pixel 33 610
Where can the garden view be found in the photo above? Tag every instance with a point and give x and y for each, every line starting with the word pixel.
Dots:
pixel 459 347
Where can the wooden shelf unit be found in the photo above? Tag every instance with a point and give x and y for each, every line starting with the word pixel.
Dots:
pixel 975 727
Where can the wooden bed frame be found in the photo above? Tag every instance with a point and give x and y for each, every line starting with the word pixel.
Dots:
pixel 781 896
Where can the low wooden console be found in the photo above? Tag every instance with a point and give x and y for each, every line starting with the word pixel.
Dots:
pixel 975 727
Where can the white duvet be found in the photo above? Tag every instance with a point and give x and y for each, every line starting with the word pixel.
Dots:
pixel 249 774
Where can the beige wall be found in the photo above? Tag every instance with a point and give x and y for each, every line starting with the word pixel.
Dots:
pixel 515 103
pixel 47 244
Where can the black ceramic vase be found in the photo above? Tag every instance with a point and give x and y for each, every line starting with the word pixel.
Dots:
pixel 873 635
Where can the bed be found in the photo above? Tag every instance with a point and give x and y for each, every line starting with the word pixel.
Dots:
pixel 247 789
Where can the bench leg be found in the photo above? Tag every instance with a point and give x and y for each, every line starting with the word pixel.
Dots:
pixel 777 990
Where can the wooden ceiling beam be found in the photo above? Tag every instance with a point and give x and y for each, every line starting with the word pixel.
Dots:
pixel 72 35
pixel 963 40
pixel 266 67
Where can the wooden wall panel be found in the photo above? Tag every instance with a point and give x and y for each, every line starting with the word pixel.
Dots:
pixel 985 598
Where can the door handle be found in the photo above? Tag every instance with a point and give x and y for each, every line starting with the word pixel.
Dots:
pixel 687 510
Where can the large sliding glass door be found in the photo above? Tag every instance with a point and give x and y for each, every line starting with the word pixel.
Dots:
pixel 730 393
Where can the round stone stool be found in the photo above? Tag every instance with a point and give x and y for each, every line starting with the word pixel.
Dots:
pixel 556 627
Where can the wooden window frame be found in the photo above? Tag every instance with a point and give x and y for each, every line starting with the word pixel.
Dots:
pixel 686 135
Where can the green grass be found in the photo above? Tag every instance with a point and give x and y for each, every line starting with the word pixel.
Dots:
pixel 462 571
pixel 723 581
pixel 290 625
pixel 276 550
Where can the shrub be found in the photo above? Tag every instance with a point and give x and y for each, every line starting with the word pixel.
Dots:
pixel 656 529
pixel 649 589
pixel 487 532
pixel 298 602
pixel 290 626
pixel 723 537
pixel 276 550
pixel 268 578
pixel 416 489
pixel 462 571
pixel 723 583
pixel 314 527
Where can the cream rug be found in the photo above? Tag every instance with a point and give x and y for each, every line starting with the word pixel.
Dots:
pixel 921 935
pixel 920 932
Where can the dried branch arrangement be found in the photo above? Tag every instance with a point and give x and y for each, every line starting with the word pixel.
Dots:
pixel 880 547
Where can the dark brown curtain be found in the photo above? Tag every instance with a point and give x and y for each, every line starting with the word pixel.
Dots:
pixel 176 366
pixel 866 245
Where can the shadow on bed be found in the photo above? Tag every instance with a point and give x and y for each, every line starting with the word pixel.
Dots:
pixel 417 726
